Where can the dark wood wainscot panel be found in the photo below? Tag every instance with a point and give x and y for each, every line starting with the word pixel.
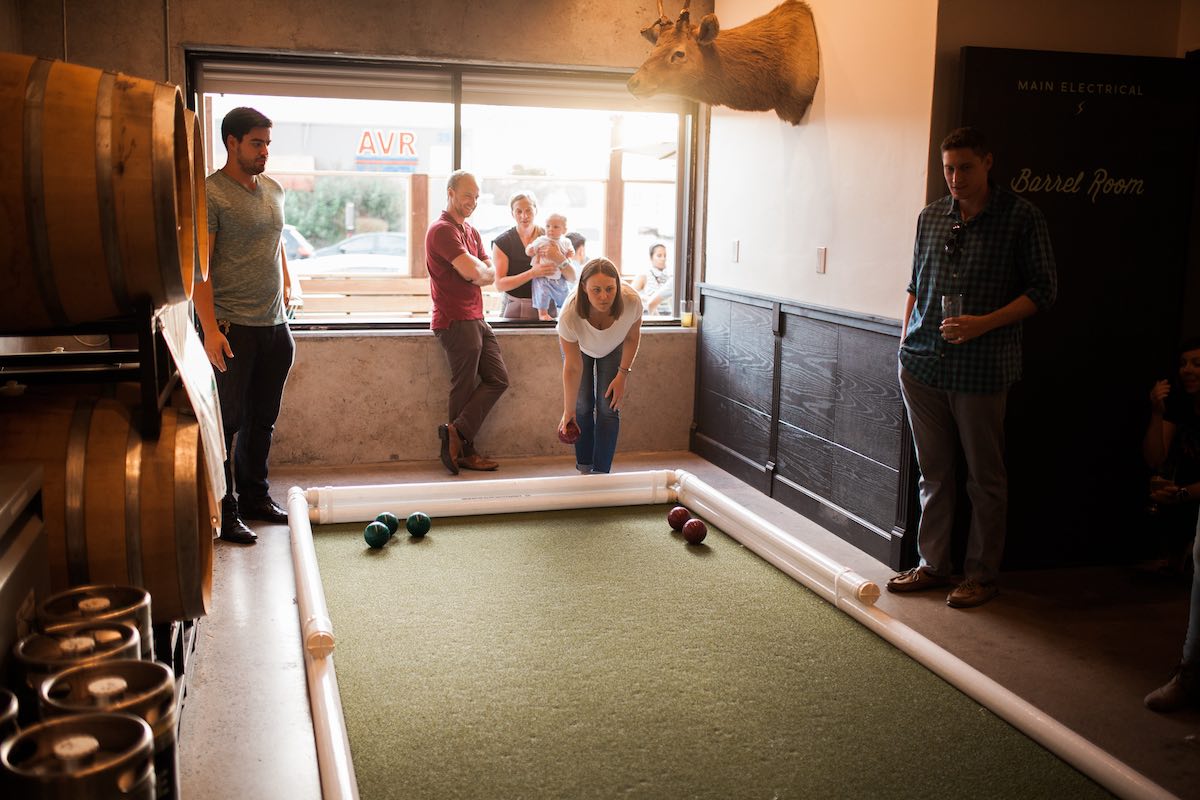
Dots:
pixel 734 387
pixel 803 403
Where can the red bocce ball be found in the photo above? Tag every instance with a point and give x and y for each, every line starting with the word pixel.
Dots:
pixel 694 531
pixel 677 516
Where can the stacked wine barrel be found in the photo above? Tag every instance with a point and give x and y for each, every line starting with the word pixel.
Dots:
pixel 118 508
pixel 99 186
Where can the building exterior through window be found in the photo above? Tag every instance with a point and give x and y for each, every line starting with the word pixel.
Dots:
pixel 364 154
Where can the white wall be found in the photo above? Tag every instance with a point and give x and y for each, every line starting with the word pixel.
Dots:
pixel 851 177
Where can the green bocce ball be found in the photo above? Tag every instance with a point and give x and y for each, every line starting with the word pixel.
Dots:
pixel 418 524
pixel 391 520
pixel 377 535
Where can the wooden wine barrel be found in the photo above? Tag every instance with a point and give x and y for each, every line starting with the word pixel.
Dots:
pixel 199 191
pixel 118 508
pixel 96 205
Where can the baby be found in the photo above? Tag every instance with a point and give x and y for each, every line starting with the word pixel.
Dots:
pixel 554 249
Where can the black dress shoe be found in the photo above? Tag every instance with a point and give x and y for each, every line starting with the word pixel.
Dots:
pixel 449 459
pixel 263 509
pixel 234 530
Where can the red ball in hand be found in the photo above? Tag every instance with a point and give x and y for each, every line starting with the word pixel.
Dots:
pixel 677 516
pixel 569 434
pixel 694 531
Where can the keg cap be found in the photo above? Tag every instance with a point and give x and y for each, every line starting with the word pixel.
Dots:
pixel 108 688
pixel 76 747
pixel 78 645
pixel 107 636
pixel 94 605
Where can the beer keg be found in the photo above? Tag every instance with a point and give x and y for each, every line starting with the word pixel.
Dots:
pixel 108 603
pixel 97 756
pixel 145 689
pixel 8 713
pixel 40 655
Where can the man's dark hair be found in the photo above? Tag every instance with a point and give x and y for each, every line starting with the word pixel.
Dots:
pixel 240 121
pixel 578 240
pixel 967 138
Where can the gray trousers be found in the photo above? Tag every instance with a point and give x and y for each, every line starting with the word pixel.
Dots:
pixel 941 421
pixel 477 374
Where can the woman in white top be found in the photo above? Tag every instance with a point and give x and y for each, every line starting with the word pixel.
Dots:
pixel 599 330
pixel 656 285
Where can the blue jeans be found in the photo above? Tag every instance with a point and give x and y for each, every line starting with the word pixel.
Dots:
pixel 547 290
pixel 1191 642
pixel 599 423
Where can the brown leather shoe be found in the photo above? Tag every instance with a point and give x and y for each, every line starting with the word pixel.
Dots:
pixel 1182 691
pixel 971 593
pixel 476 461
pixel 916 579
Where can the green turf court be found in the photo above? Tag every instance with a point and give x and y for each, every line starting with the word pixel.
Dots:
pixel 581 654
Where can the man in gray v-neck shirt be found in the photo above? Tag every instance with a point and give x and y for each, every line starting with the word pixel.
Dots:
pixel 241 310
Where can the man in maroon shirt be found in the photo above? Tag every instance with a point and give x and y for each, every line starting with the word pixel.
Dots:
pixel 458 265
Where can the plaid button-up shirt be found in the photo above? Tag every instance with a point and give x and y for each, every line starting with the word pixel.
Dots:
pixel 999 255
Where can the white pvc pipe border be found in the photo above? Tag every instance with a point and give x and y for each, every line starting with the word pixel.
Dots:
pixel 461 498
pixel 832 581
pixel 334 763
pixel 856 596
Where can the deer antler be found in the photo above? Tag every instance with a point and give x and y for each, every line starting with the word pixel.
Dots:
pixel 652 30
pixel 685 16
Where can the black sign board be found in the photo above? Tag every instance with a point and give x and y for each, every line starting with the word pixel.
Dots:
pixel 1105 147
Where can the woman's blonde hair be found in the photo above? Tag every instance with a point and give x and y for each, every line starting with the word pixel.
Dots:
pixel 603 266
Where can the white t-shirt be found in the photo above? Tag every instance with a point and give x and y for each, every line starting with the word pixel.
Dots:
pixel 597 343
pixel 656 279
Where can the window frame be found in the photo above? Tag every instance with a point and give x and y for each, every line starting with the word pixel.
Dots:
pixel 484 74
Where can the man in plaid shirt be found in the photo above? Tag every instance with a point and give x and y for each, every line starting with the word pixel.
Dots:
pixel 982 262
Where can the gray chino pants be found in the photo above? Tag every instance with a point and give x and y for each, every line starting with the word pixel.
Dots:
pixel 941 421
pixel 477 374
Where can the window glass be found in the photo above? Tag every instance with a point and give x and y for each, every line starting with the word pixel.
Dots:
pixel 365 177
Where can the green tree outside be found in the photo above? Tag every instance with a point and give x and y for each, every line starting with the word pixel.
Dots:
pixel 380 203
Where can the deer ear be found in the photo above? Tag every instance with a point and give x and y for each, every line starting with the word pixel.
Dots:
pixel 709 28
pixel 651 33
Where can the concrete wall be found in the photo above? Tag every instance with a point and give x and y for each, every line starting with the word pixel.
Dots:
pixel 853 175
pixel 356 399
pixel 146 37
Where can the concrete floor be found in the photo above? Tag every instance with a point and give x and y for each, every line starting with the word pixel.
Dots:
pixel 1084 645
